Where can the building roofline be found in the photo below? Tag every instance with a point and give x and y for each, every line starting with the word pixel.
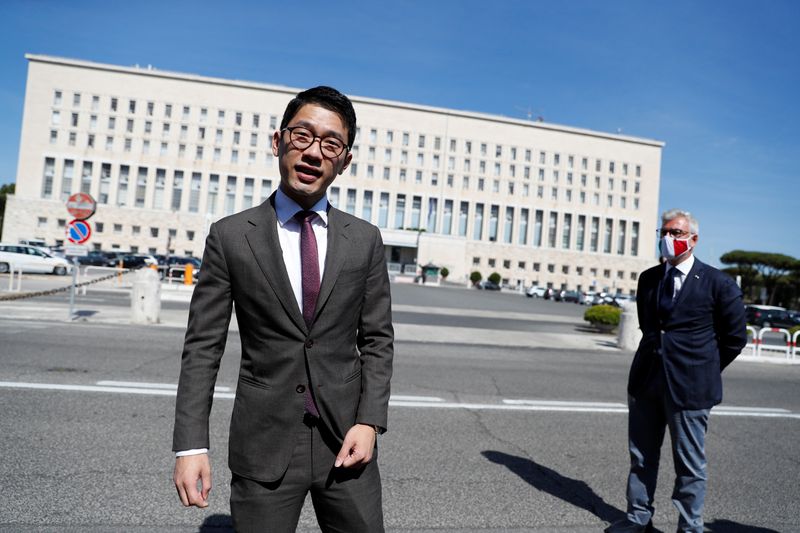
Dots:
pixel 291 91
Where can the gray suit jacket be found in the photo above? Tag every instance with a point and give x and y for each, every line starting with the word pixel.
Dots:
pixel 347 352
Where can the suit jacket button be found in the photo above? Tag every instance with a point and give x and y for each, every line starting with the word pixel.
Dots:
pixel 300 389
pixel 309 343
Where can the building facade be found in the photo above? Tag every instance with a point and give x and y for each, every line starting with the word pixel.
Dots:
pixel 165 154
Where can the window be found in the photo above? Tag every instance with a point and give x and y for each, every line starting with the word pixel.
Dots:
pixel 49 173
pixel 635 239
pixel 421 141
pixel 494 215
pixel 566 231
pixel 477 229
pixel 74 120
pixel 76 99
pixel 399 211
pixel 607 236
pixel 366 206
pixel 150 108
pixel 153 232
pixel 462 219
pixel 508 225
pixel 447 217
pixel 552 230
pixel 132 106
pixel 168 110
pixel 53 136
pixel 117 229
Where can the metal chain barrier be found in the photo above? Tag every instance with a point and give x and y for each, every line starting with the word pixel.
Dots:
pixel 33 294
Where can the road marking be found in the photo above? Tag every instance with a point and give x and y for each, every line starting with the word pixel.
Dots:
pixel 557 403
pixel 144 385
pixel 416 398
pixel 162 389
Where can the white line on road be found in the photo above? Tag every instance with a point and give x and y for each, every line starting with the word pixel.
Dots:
pixel 136 384
pixel 416 398
pixel 570 407
pixel 557 403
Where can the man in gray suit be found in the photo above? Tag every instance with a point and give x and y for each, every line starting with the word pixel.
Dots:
pixel 311 292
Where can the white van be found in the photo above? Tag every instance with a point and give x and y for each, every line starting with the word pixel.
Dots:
pixel 31 259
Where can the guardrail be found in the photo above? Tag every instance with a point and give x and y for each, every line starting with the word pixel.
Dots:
pixel 794 343
pixel 752 335
pixel 787 349
pixel 101 269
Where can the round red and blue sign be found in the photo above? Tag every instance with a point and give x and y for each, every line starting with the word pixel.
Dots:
pixel 78 231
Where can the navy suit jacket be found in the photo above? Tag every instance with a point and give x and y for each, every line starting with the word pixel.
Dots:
pixel 701 336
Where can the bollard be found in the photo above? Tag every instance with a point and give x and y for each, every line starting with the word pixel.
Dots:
pixel 188 274
pixel 629 333
pixel 146 297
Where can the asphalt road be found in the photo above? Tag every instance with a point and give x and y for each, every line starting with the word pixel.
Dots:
pixel 475 443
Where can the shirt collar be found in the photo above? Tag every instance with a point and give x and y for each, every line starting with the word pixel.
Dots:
pixel 684 267
pixel 286 208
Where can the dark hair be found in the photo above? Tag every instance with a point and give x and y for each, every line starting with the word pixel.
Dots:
pixel 329 98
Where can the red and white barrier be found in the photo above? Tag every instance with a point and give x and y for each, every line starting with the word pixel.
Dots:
pixel 752 340
pixel 786 349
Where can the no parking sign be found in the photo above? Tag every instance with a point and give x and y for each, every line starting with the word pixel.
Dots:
pixel 78 231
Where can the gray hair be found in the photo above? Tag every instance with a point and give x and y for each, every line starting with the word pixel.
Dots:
pixel 672 214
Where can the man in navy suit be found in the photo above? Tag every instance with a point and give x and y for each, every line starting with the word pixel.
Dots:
pixel 693 325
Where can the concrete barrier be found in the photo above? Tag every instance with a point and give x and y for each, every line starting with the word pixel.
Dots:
pixel 146 297
pixel 629 335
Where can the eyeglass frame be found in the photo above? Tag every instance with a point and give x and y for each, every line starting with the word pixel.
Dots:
pixel 315 138
pixel 672 231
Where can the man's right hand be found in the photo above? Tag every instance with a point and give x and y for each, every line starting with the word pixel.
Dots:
pixel 188 470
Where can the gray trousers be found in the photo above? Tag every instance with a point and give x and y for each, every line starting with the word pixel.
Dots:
pixel 648 418
pixel 345 500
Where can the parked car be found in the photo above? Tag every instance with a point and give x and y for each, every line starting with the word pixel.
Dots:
pixel 535 292
pixel 768 316
pixel 96 258
pixel 176 265
pixel 571 296
pixel 31 259
pixel 795 315
pixel 132 261
pixel 549 294
pixel 488 285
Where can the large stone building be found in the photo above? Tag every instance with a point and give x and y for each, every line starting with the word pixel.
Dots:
pixel 165 154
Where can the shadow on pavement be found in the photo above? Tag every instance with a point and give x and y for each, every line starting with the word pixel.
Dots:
pixel 572 491
pixel 726 526
pixel 217 523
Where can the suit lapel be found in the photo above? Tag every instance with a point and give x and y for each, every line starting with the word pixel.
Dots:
pixel 338 243
pixel 263 240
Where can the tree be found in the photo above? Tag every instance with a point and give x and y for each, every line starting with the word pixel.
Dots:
pixel 475 277
pixel 495 278
pixel 5 190
pixel 769 269
pixel 444 272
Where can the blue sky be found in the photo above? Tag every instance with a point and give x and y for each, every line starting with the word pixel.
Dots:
pixel 716 80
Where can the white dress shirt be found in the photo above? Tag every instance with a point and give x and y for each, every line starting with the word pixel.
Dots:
pixel 289 238
pixel 684 268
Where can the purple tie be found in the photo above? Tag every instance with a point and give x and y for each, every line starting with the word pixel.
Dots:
pixel 309 264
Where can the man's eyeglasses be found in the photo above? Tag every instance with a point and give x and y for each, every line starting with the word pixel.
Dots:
pixel 301 138
pixel 674 232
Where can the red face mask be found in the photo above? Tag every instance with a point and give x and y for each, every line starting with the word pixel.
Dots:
pixel 672 248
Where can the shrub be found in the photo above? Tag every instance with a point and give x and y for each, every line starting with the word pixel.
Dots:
pixel 604 317
pixel 475 277
pixel 495 278
pixel 444 272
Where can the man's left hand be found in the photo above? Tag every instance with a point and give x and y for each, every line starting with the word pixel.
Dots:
pixel 357 447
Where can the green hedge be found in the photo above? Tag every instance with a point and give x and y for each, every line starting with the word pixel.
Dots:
pixel 606 315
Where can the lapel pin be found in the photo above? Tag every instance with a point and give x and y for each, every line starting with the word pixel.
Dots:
pixel 696 276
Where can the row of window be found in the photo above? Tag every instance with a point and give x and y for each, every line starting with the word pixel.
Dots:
pixel 131 106
pixel 135 230
pixel 200 134
pixel 195 192
pixel 465 147
pixel 552 268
